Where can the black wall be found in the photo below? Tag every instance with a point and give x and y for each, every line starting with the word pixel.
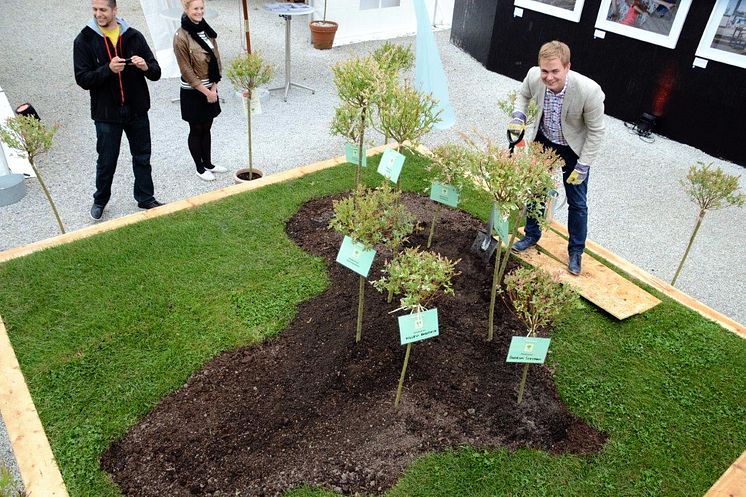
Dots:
pixel 705 108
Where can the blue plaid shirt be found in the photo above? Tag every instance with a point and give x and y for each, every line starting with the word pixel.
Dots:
pixel 551 122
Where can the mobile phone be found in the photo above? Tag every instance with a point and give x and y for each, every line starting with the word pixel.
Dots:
pixel 128 61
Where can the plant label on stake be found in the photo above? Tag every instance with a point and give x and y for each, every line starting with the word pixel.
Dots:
pixel 351 154
pixel 528 349
pixel 502 226
pixel 391 164
pixel 355 256
pixel 445 194
pixel 418 326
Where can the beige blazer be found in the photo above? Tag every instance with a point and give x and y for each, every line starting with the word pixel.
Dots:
pixel 583 122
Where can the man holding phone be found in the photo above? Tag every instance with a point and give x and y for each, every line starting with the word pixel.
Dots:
pixel 111 61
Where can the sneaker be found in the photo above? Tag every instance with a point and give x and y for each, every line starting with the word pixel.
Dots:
pixel 216 169
pixel 206 176
pixel 152 204
pixel 525 243
pixel 574 264
pixel 97 211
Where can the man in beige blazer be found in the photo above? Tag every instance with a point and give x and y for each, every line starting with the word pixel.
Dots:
pixel 571 110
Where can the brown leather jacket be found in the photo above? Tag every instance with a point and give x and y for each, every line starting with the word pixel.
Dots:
pixel 192 58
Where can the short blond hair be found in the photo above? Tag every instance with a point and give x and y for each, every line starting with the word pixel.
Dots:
pixel 187 3
pixel 555 50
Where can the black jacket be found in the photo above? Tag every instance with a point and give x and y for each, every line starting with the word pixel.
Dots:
pixel 112 101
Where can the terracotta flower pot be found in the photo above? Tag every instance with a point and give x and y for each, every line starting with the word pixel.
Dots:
pixel 242 175
pixel 322 33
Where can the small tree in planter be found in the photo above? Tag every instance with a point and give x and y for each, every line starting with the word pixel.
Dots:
pixel 322 32
pixel 359 83
pixel 710 190
pixel 369 218
pixel 447 167
pixel 539 301
pixel 418 277
pixel 34 138
pixel 247 72
pixel 518 184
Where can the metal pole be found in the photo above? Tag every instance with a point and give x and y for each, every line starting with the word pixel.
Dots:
pixel 435 12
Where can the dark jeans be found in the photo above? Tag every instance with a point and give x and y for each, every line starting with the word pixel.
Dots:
pixel 577 209
pixel 108 141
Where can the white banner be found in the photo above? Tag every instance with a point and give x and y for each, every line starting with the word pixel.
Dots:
pixel 163 19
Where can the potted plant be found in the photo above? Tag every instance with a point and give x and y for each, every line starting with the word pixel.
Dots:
pixel 32 137
pixel 323 31
pixel 247 72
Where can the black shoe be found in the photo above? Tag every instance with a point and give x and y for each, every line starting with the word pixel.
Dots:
pixel 97 211
pixel 525 243
pixel 574 264
pixel 151 204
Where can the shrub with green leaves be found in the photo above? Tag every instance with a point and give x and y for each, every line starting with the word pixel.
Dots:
pixel 539 299
pixel 372 217
pixel 33 138
pixel 710 189
pixel 360 84
pixel 418 276
pixel 507 105
pixel 448 167
pixel 393 58
pixel 518 183
pixel 406 114
pixel 247 72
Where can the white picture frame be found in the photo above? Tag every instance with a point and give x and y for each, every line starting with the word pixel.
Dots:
pixel 723 26
pixel 649 27
pixel 564 9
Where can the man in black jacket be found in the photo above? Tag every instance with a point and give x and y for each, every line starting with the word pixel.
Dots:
pixel 112 61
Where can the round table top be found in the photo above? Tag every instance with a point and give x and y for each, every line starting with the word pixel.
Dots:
pixel 288 9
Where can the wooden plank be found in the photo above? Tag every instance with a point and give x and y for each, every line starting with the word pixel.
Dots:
pixel 39 471
pixel 596 283
pixel 179 205
pixel 660 285
pixel 732 483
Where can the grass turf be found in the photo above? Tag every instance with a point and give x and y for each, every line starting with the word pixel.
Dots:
pixel 105 327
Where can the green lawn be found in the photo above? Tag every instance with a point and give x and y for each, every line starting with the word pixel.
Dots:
pixel 105 327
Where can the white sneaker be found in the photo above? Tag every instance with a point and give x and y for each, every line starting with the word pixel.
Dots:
pixel 206 176
pixel 217 169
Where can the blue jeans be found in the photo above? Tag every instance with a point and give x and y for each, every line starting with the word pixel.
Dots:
pixel 577 208
pixel 108 141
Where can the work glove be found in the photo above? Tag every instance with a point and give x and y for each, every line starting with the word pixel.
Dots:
pixel 517 124
pixel 578 175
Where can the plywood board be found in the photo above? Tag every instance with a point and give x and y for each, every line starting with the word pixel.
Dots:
pixel 596 283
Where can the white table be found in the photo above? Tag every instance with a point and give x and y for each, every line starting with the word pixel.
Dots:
pixel 287 11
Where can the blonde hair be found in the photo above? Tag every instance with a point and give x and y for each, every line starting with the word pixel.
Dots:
pixel 186 3
pixel 555 50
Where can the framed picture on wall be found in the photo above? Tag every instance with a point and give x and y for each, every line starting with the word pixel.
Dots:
pixel 654 21
pixel 566 9
pixel 724 39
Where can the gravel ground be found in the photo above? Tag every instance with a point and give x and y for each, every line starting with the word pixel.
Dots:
pixel 637 208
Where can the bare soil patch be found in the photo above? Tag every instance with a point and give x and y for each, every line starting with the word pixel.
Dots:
pixel 312 407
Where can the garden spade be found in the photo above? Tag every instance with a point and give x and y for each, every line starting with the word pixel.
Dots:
pixel 485 244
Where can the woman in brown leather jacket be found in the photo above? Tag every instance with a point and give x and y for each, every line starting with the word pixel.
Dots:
pixel 197 54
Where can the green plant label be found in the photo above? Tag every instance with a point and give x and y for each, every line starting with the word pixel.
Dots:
pixel 355 256
pixel 418 326
pixel 391 164
pixel 351 154
pixel 445 194
pixel 528 349
pixel 502 225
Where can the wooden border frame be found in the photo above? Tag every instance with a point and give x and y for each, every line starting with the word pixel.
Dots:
pixel 39 471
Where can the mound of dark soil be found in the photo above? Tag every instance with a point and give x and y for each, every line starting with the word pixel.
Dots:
pixel 312 407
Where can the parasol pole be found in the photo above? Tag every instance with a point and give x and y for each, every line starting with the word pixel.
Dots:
pixel 245 5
